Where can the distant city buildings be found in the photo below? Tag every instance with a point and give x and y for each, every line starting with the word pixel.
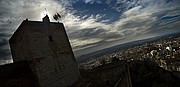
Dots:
pixel 166 53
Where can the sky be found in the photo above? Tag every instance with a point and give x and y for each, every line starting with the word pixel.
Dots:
pixel 92 25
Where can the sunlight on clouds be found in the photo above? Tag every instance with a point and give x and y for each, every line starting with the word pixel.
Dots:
pixel 81 42
pixel 133 11
pixel 91 23
pixel 2 62
pixel 75 23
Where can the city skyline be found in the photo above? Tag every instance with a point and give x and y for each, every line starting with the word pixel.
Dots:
pixel 93 24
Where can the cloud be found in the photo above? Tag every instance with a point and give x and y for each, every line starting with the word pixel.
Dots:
pixel 132 12
pixel 93 1
pixel 128 32
pixel 2 61
pixel 4 48
pixel 89 1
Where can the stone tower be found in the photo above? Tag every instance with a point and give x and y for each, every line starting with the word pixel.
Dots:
pixel 46 45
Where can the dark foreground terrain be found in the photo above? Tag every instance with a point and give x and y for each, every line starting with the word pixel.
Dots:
pixel 148 74
pixel 134 73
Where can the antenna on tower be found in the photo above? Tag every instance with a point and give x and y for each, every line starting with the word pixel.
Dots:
pixel 45 12
pixel 57 16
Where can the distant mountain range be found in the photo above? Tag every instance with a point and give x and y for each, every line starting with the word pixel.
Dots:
pixel 124 46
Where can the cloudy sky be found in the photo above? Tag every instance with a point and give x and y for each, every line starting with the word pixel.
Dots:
pixel 93 24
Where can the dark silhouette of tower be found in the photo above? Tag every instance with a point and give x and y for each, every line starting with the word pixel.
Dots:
pixel 46 45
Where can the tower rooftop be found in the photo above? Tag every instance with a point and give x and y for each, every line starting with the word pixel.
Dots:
pixel 46 19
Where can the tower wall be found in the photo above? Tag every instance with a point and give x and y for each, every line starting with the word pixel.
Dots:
pixel 47 45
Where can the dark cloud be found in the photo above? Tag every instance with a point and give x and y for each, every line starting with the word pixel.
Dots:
pixel 4 48
pixel 3 42
pixel 5 54
pixel 4 35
